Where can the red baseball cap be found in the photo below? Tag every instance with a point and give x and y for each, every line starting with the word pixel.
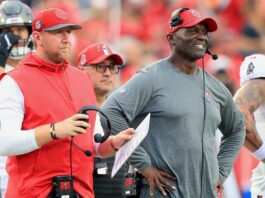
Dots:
pixel 96 53
pixel 190 18
pixel 52 19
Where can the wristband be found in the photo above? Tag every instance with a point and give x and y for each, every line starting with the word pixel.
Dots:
pixel 113 146
pixel 52 131
pixel 260 153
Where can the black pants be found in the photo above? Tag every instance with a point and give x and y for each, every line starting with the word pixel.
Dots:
pixel 75 195
pixel 107 187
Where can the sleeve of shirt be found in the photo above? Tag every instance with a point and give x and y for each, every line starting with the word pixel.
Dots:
pixel 97 129
pixel 233 129
pixel 13 140
pixel 124 104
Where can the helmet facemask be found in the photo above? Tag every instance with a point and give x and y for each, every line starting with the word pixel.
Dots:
pixel 23 47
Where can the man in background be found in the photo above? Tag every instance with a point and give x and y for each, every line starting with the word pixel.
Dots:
pixel 15 31
pixel 102 65
pixel 250 99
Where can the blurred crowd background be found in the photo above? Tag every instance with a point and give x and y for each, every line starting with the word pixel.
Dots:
pixel 137 30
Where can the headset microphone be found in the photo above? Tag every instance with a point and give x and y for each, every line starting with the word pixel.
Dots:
pixel 214 56
pixel 86 152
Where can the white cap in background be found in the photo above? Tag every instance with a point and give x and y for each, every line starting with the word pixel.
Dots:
pixel 252 67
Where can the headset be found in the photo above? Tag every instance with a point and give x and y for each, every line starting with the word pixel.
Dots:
pixel 176 20
pixel 106 125
pixel 214 56
pixel 99 138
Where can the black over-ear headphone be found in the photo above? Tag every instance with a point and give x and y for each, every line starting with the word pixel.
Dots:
pixel 176 19
pixel 97 137
pixel 105 123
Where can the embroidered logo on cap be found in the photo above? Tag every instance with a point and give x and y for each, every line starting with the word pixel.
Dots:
pixel 60 14
pixel 251 68
pixel 38 25
pixel 195 13
pixel 83 59
pixel 104 48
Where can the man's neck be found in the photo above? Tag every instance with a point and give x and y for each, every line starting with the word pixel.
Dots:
pixel 184 65
pixel 12 62
pixel 100 99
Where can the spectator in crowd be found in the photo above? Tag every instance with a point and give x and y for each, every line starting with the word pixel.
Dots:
pixel 15 31
pixel 134 56
pixel 221 69
pixel 39 120
pixel 187 105
pixel 102 65
pixel 250 100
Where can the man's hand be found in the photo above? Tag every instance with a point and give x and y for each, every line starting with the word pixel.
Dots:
pixel 2 69
pixel 121 138
pixel 156 178
pixel 219 187
pixel 7 41
pixel 71 126
pixel 115 142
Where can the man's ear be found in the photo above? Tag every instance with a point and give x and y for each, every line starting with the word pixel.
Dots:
pixel 36 37
pixel 171 39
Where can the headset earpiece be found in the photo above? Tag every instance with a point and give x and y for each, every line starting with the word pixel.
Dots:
pixel 107 129
pixel 176 19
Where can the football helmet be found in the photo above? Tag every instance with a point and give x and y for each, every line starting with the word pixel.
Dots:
pixel 15 13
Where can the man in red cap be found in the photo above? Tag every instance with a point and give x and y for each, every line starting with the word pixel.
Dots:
pixel 40 101
pixel 102 65
pixel 178 157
